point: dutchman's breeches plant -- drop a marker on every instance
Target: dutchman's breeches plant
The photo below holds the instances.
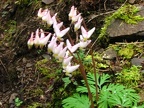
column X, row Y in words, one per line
column 62, row 51
column 65, row 51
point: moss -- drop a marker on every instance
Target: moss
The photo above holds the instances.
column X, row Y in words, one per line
column 48, row 68
column 126, row 53
column 37, row 92
column 35, row 105
column 130, row 76
column 127, row 13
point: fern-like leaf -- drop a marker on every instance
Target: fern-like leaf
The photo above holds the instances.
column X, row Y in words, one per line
column 117, row 95
column 101, row 80
column 76, row 101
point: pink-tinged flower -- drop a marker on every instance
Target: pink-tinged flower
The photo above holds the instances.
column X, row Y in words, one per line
column 70, row 47
column 84, row 44
column 42, row 35
column 75, row 18
column 42, row 13
column 52, row 44
column 86, row 35
column 59, row 33
column 48, row 18
column 51, row 20
column 30, row 42
column 72, row 13
column 44, row 40
column 77, row 25
column 54, row 18
column 36, row 39
column 69, row 69
column 57, row 49
column 59, row 25
column 62, row 53
column 66, row 61
column 45, row 17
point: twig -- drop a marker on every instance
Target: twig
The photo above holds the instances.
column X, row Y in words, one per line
column 101, row 14
column 92, row 46
column 121, row 43
column 105, row 4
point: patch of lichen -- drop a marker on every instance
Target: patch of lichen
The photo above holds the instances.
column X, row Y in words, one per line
column 127, row 13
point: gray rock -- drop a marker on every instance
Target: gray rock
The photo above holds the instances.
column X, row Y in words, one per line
column 47, row 1
column 46, row 56
column 12, row 97
column 109, row 54
column 137, row 61
column 29, row 64
column 119, row 28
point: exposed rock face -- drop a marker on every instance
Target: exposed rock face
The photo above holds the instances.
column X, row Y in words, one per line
column 119, row 28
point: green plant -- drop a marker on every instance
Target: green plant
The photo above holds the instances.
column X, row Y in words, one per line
column 110, row 95
column 129, row 76
column 127, row 53
column 18, row 102
column 76, row 101
column 101, row 80
column 117, row 95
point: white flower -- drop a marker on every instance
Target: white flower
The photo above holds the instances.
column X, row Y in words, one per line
column 72, row 13
column 36, row 39
column 42, row 13
column 62, row 53
column 86, row 35
column 44, row 40
column 77, row 25
column 75, row 18
column 31, row 41
column 57, row 49
column 69, row 69
column 70, row 47
column 66, row 61
column 51, row 20
column 60, row 33
column 84, row 44
column 52, row 44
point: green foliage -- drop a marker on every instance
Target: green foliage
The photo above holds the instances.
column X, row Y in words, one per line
column 35, row 105
column 18, row 102
column 126, row 13
column 117, row 95
column 127, row 53
column 129, row 76
column 110, row 95
column 86, row 60
column 66, row 81
column 101, row 80
column 37, row 92
column 48, row 68
column 76, row 101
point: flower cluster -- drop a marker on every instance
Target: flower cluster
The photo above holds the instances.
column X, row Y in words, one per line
column 54, row 42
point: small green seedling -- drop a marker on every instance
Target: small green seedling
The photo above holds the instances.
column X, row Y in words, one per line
column 18, row 102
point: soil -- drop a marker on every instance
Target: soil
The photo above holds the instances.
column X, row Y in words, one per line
column 20, row 75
